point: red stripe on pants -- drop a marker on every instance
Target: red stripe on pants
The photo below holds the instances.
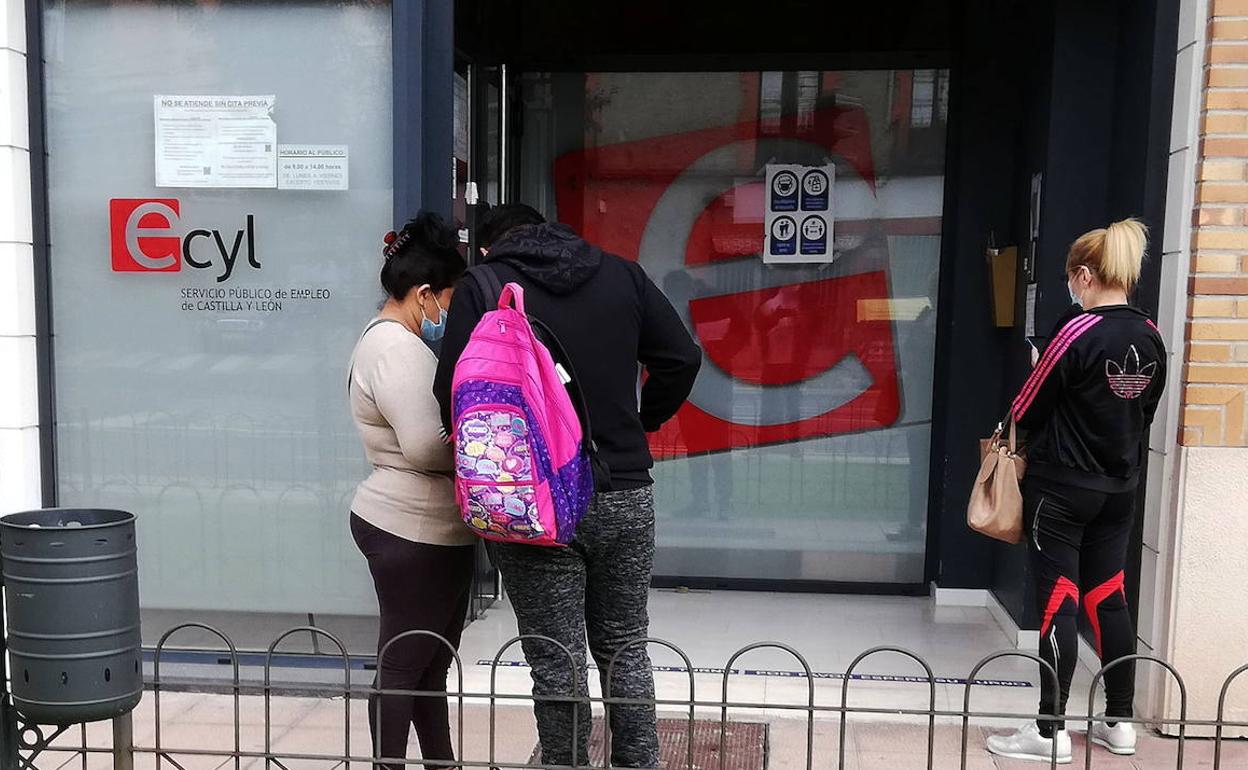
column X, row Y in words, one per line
column 1062, row 590
column 1093, row 602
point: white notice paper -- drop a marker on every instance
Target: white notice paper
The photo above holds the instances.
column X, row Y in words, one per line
column 216, row 141
column 1030, row 325
column 799, row 214
column 312, row 167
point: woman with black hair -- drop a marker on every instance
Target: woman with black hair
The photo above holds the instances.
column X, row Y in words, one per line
column 404, row 517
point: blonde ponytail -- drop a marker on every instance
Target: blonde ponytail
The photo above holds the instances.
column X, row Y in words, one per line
column 1113, row 254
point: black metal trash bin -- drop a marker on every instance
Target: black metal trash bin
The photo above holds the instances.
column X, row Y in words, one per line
column 71, row 581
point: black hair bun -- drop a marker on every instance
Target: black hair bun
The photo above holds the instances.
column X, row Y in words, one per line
column 431, row 232
column 425, row 251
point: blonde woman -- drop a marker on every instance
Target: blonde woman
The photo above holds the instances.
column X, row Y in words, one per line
column 1086, row 408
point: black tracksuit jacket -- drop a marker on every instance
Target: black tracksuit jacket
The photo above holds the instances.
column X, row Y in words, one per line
column 1090, row 400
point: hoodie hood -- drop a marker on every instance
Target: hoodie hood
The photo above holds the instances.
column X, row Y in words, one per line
column 553, row 256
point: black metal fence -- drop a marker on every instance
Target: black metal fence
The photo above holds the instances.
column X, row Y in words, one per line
column 35, row 741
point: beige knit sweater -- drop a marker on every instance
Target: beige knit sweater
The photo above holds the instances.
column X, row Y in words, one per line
column 410, row 492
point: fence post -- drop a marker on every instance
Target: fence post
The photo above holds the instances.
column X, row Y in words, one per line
column 8, row 732
column 123, row 742
column 9, row 758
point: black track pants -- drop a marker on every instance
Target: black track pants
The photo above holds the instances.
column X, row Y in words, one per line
column 1078, row 541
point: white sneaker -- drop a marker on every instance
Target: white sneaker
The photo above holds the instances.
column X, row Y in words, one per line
column 1028, row 743
column 1119, row 739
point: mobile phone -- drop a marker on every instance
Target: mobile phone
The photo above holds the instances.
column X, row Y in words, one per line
column 1036, row 344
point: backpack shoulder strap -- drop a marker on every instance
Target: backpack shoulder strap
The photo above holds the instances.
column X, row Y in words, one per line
column 489, row 284
column 560, row 355
column 491, row 288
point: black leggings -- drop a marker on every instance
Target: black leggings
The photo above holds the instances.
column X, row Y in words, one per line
column 1078, row 541
column 425, row 587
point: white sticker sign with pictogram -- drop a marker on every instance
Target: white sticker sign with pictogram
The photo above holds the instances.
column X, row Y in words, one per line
column 800, row 206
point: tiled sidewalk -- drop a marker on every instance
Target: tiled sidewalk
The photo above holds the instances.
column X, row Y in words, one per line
column 830, row 631
column 314, row 726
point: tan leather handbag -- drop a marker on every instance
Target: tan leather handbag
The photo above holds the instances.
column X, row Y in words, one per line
column 996, row 505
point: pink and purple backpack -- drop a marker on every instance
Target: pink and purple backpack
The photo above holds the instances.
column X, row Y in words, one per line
column 522, row 462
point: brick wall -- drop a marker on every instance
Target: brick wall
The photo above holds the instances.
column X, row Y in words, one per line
column 1215, row 391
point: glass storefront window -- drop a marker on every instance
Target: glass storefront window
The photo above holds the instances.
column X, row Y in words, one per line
column 208, row 395
column 803, row 453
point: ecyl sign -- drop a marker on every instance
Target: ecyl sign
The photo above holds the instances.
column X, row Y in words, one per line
column 147, row 237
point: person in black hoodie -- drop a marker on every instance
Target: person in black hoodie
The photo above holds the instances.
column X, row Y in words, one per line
column 613, row 322
column 1086, row 409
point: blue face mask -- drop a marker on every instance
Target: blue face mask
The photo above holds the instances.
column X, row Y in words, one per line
column 1070, row 287
column 428, row 329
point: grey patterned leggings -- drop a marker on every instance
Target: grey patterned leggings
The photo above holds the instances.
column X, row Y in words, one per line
column 597, row 586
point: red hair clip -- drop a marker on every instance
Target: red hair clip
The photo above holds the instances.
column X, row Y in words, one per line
column 390, row 237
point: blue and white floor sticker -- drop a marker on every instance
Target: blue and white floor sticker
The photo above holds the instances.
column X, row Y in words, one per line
column 779, row 673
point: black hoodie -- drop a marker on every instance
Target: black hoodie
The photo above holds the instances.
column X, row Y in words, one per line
column 610, row 318
column 1089, row 401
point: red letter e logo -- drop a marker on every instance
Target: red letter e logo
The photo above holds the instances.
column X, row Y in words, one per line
column 143, row 238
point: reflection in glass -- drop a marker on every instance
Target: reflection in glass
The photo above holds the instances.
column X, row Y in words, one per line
column 803, row 453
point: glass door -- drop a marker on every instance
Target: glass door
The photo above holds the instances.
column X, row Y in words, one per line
column 478, row 137
column 803, row 452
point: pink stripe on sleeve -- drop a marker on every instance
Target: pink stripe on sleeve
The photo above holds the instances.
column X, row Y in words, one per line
column 1065, row 338
column 1046, row 361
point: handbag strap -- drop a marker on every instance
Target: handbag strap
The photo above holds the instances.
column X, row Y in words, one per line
column 351, row 366
column 1007, row 429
